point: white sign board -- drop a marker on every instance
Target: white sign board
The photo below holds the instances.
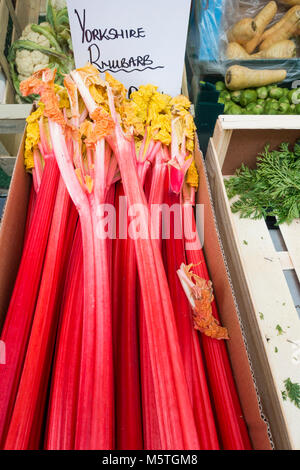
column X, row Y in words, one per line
column 137, row 41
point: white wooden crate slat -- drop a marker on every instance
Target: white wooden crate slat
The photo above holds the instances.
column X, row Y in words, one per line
column 291, row 236
column 259, row 122
column 274, row 306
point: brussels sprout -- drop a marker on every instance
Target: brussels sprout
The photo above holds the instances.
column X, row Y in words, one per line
column 275, row 93
column 224, row 97
column 234, row 109
column 271, row 107
column 220, row 86
column 248, row 96
column 284, row 99
column 262, row 92
column 236, row 96
column 258, row 109
column 284, row 108
column 285, row 91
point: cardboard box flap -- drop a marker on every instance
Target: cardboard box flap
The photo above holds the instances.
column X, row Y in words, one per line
column 12, row 231
column 228, row 310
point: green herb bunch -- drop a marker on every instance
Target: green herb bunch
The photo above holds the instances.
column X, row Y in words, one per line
column 272, row 189
column 292, row 391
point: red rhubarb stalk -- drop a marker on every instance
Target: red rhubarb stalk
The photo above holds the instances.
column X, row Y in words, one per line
column 26, row 421
column 95, row 411
column 152, row 438
column 188, row 337
column 175, row 416
column 18, row 322
column 176, row 422
column 127, row 386
column 61, row 426
column 30, row 211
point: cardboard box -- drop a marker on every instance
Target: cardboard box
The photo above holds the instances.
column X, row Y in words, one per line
column 259, row 270
column 11, row 241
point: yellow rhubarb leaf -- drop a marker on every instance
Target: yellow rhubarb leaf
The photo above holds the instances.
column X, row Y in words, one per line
column 161, row 128
column 192, row 177
column 142, row 99
column 32, row 135
column 99, row 94
column 63, row 96
column 180, row 105
column 131, row 120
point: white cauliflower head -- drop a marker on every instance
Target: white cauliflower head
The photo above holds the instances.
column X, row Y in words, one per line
column 30, row 35
column 28, row 62
column 59, row 4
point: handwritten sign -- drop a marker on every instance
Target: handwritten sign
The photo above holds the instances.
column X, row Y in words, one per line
column 137, row 41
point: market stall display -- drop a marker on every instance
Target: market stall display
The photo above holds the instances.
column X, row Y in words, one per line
column 107, row 132
column 149, row 299
column 219, row 38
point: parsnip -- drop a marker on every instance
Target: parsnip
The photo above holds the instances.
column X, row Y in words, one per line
column 285, row 29
column 236, row 51
column 239, row 78
column 262, row 20
column 243, row 31
column 280, row 50
column 290, row 17
column 290, row 3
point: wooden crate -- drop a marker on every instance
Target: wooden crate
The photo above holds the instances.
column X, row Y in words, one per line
column 24, row 12
column 12, row 116
column 258, row 270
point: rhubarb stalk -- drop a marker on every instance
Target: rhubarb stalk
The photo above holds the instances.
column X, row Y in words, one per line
column 19, row 317
column 26, row 421
column 175, row 416
column 62, row 416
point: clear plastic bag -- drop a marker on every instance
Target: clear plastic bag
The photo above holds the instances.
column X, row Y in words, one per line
column 207, row 40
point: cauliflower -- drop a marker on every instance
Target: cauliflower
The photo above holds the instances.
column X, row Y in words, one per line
column 43, row 45
column 28, row 62
column 59, row 4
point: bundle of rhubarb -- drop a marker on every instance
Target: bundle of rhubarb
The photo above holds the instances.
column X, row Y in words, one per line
column 113, row 339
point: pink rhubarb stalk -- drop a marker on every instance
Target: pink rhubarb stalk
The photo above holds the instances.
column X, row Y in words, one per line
column 62, row 410
column 188, row 337
column 127, row 383
column 175, row 416
column 26, row 421
column 19, row 317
